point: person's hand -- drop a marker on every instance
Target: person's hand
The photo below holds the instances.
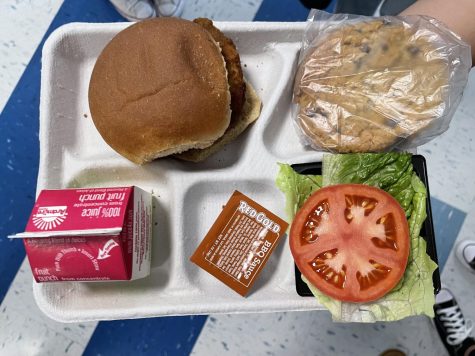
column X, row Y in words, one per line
column 457, row 15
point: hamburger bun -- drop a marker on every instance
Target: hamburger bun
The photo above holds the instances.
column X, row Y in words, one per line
column 248, row 114
column 245, row 103
column 160, row 87
column 237, row 86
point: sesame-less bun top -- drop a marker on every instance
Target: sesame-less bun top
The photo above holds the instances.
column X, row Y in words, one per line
column 160, row 87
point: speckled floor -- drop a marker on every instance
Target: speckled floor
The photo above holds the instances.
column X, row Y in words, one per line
column 24, row 330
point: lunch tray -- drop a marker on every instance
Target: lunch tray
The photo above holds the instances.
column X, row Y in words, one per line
column 187, row 196
column 427, row 231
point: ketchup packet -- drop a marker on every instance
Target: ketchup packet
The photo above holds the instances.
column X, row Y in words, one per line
column 239, row 243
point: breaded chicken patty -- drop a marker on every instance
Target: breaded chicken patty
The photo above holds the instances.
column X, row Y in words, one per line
column 237, row 87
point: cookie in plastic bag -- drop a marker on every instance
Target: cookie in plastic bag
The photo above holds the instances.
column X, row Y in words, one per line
column 377, row 84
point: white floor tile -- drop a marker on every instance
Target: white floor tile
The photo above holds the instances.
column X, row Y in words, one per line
column 233, row 10
column 451, row 156
column 25, row 330
column 312, row 333
column 23, row 24
column 458, row 278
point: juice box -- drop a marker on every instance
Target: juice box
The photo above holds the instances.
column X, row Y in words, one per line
column 89, row 234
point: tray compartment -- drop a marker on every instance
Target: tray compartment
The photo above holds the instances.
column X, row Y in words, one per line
column 202, row 204
column 72, row 153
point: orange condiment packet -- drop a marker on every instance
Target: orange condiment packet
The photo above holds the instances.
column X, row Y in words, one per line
column 239, row 243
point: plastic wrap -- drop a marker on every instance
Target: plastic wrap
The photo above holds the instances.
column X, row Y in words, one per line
column 376, row 84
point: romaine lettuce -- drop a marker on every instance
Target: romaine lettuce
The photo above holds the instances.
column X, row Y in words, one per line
column 392, row 172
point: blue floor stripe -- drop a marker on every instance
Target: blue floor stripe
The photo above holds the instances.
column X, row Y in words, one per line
column 285, row 10
column 157, row 336
column 447, row 224
column 19, row 146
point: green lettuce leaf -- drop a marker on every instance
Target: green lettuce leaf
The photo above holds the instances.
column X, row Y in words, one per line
column 392, row 172
column 296, row 187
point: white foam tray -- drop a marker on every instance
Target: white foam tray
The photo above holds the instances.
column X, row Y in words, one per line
column 188, row 196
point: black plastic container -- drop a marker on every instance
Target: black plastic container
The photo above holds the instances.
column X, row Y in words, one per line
column 427, row 231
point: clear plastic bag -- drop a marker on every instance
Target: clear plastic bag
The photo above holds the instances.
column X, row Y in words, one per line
column 377, row 84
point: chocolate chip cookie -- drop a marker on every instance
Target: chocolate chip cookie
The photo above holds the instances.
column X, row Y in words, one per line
column 368, row 85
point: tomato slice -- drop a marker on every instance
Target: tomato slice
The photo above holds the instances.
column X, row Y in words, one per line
column 351, row 241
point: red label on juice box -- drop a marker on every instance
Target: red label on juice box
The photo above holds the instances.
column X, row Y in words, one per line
column 89, row 234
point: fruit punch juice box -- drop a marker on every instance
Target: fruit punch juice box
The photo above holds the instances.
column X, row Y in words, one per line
column 90, row 234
